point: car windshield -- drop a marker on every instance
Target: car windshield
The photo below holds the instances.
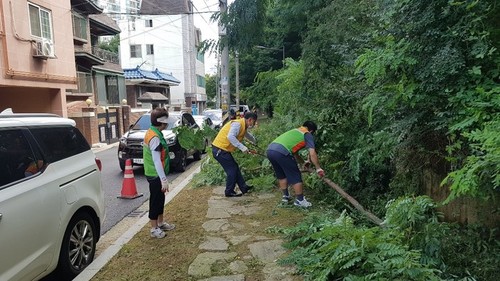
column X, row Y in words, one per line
column 145, row 122
column 215, row 116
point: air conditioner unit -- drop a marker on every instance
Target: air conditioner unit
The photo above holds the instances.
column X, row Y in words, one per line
column 44, row 49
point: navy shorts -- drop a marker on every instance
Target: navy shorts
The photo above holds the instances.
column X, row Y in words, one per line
column 285, row 166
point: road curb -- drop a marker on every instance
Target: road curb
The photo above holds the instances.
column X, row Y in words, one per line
column 133, row 227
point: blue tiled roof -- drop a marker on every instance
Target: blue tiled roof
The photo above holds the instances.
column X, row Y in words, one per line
column 137, row 73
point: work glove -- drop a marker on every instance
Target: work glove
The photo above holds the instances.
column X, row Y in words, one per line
column 244, row 149
column 320, row 172
column 165, row 187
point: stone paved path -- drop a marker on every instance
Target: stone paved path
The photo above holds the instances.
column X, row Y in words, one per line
column 222, row 247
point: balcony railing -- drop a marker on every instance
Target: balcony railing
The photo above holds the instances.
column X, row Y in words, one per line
column 100, row 53
column 106, row 55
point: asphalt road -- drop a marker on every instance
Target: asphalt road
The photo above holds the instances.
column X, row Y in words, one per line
column 112, row 181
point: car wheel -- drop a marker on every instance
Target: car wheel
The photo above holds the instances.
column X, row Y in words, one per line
column 181, row 167
column 122, row 164
column 78, row 246
column 197, row 155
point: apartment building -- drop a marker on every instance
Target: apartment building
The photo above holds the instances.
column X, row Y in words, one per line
column 50, row 62
column 159, row 35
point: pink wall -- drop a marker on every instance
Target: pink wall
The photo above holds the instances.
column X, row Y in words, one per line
column 29, row 100
column 18, row 66
column 43, row 82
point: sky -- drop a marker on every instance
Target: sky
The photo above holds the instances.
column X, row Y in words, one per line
column 209, row 29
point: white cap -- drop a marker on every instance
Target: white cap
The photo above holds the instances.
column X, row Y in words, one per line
column 163, row 119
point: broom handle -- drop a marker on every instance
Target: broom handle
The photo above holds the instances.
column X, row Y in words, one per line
column 353, row 202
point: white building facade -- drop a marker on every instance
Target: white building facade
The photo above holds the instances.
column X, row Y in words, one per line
column 160, row 34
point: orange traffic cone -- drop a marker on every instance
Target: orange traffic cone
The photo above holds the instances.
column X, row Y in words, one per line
column 129, row 190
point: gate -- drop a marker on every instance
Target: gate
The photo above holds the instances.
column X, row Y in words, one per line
column 108, row 126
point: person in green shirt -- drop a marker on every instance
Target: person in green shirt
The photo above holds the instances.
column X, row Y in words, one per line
column 283, row 155
column 156, row 168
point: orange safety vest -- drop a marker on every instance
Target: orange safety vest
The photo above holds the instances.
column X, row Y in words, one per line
column 293, row 140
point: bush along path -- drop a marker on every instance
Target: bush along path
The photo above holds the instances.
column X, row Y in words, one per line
column 236, row 245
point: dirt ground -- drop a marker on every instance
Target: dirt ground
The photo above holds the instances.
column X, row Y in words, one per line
column 145, row 258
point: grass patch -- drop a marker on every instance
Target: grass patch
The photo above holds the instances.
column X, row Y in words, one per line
column 145, row 258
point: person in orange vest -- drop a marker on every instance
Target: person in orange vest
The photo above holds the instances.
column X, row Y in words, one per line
column 283, row 155
column 156, row 168
column 227, row 141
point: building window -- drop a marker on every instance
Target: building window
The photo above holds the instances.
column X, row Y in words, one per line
column 200, row 57
column 200, row 81
column 79, row 27
column 40, row 22
column 149, row 23
column 131, row 24
column 112, row 89
column 150, row 49
column 135, row 51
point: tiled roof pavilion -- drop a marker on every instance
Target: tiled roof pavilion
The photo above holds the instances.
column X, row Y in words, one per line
column 154, row 76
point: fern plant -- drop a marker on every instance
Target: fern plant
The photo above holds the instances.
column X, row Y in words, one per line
column 330, row 249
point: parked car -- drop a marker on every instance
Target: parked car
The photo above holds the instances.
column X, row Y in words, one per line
column 242, row 109
column 204, row 121
column 51, row 200
column 130, row 146
column 216, row 115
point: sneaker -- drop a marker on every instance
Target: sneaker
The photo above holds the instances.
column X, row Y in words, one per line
column 234, row 194
column 285, row 199
column 157, row 233
column 304, row 203
column 246, row 189
column 166, row 226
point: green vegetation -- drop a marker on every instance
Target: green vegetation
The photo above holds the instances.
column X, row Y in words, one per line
column 399, row 89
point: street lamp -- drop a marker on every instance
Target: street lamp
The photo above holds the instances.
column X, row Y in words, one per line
column 274, row 49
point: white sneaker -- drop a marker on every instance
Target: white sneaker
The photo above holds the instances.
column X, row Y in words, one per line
column 285, row 199
column 166, row 226
column 304, row 203
column 157, row 233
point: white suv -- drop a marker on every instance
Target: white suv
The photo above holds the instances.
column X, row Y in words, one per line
column 51, row 201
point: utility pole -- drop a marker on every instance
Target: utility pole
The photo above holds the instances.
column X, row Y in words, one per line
column 224, row 78
column 217, row 83
column 237, row 61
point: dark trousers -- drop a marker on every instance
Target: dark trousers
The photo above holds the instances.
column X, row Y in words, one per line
column 156, row 198
column 233, row 173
